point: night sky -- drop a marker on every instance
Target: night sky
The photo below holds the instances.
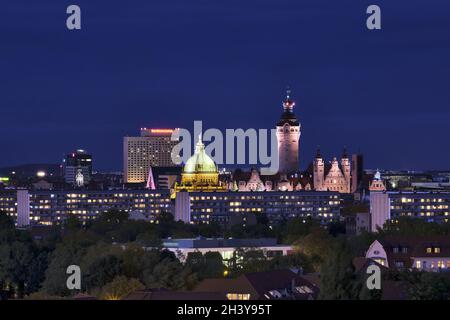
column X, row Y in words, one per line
column 166, row 63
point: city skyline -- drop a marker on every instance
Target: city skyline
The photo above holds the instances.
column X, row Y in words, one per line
column 218, row 63
column 208, row 153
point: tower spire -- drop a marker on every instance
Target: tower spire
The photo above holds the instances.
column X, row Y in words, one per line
column 345, row 154
column 318, row 154
column 288, row 104
column 199, row 146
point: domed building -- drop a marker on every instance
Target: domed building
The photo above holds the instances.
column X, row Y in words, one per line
column 200, row 173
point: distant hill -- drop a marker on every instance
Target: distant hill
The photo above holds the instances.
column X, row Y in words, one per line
column 30, row 170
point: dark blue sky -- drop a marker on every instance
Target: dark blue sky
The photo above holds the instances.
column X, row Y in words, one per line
column 166, row 63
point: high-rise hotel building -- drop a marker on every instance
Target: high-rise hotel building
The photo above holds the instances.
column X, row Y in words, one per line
column 152, row 148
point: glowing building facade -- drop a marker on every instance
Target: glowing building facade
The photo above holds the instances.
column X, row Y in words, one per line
column 200, row 173
column 48, row 207
column 390, row 205
column 152, row 149
column 204, row 207
column 78, row 168
column 336, row 177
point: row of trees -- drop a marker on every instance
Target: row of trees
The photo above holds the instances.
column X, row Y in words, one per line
column 28, row 266
column 115, row 226
column 22, row 262
column 117, row 256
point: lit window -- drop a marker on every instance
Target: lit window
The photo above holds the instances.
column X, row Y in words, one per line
column 236, row 296
column 379, row 261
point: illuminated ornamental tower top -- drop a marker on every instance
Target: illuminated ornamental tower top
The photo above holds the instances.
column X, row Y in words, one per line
column 377, row 183
column 288, row 137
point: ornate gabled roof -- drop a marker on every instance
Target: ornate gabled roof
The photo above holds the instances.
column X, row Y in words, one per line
column 304, row 178
column 335, row 171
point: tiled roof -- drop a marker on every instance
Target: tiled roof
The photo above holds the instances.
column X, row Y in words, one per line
column 260, row 284
column 158, row 294
column 404, row 248
column 264, row 282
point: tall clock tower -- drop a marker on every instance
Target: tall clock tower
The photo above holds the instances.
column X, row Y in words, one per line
column 288, row 138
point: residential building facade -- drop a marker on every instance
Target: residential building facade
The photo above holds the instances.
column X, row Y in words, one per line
column 429, row 206
column 48, row 207
column 431, row 253
column 276, row 205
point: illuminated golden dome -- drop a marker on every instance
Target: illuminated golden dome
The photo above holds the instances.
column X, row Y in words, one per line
column 200, row 162
column 200, row 173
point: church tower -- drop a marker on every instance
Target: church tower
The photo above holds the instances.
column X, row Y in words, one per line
column 288, row 138
column 345, row 165
column 319, row 172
